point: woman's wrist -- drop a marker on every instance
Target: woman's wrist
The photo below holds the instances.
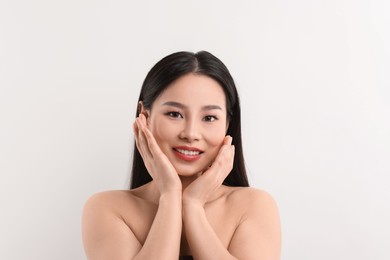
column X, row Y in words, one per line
column 192, row 206
column 171, row 196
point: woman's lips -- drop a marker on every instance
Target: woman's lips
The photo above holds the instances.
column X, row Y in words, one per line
column 187, row 153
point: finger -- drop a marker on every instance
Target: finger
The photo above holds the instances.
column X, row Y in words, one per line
column 143, row 120
column 135, row 133
column 138, row 136
column 142, row 142
column 224, row 161
column 153, row 146
column 147, row 135
column 227, row 140
column 230, row 151
column 136, row 129
column 231, row 159
column 217, row 159
column 225, row 144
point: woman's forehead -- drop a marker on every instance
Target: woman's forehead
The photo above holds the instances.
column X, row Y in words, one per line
column 194, row 90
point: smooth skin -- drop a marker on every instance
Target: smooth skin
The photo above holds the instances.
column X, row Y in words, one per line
column 185, row 210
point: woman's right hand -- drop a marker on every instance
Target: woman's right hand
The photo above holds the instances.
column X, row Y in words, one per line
column 156, row 162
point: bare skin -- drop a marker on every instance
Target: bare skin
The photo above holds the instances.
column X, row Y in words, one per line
column 185, row 210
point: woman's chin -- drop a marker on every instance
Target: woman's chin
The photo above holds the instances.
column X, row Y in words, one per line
column 194, row 170
column 188, row 173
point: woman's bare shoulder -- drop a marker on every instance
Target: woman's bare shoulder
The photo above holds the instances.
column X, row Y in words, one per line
column 110, row 196
column 103, row 224
column 249, row 198
column 259, row 225
column 112, row 200
column 248, row 193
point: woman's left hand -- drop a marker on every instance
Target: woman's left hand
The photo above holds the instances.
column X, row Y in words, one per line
column 212, row 178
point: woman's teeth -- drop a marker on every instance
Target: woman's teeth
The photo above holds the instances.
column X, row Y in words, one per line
column 186, row 152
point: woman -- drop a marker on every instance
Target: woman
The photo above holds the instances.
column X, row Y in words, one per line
column 189, row 196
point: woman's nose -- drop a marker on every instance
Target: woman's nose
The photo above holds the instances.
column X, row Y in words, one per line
column 190, row 131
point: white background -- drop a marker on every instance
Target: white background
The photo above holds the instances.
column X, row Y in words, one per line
column 315, row 89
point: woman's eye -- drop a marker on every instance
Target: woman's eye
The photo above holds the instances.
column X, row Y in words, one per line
column 210, row 118
column 174, row 114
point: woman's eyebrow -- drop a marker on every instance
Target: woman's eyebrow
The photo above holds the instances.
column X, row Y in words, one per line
column 211, row 107
column 174, row 104
column 182, row 106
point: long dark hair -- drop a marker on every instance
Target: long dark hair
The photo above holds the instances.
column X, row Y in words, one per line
column 173, row 67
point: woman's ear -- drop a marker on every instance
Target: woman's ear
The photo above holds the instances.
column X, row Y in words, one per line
column 142, row 110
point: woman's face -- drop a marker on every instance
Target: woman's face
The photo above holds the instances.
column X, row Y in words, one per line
column 188, row 121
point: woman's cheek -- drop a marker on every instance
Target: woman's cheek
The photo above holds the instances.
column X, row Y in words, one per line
column 215, row 141
column 161, row 134
column 216, row 136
